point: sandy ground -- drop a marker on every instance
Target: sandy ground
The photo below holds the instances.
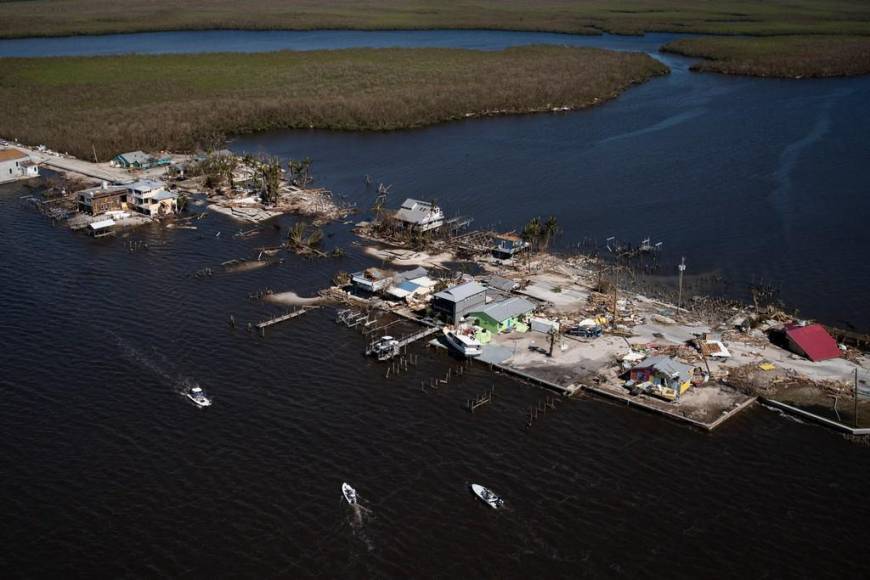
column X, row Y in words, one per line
column 399, row 257
column 245, row 214
column 292, row 299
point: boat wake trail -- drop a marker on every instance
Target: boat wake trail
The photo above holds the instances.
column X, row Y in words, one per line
column 158, row 363
column 359, row 516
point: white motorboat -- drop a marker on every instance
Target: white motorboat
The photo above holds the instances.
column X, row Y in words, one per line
column 349, row 493
column 386, row 347
column 463, row 341
column 198, row 396
column 487, row 496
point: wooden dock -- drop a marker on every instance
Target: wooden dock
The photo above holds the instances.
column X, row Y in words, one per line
column 403, row 342
column 285, row 317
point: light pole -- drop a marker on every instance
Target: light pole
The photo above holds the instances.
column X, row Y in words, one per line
column 682, row 268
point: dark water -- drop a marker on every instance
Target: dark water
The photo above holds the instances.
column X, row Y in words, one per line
column 107, row 471
column 262, row 41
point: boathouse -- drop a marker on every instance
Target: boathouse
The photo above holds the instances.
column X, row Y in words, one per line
column 15, row 164
column 454, row 303
column 420, row 216
column 505, row 315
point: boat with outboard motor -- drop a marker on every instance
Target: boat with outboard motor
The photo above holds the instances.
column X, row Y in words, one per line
column 487, row 496
column 349, row 493
column 198, row 396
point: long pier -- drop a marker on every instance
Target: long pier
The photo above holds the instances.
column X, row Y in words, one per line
column 285, row 317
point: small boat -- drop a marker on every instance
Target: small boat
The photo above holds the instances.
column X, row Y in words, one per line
column 463, row 341
column 486, row 496
column 198, row 396
column 349, row 493
column 385, row 348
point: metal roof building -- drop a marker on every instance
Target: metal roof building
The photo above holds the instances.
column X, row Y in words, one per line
column 420, row 215
column 507, row 309
column 813, row 341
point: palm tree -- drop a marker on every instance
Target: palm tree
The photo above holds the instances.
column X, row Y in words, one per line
column 550, row 229
column 532, row 231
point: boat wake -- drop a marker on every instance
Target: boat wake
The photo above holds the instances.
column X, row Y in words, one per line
column 157, row 363
column 360, row 515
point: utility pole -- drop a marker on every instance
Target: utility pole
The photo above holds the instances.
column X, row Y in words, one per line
column 681, row 268
column 615, row 293
column 856, row 398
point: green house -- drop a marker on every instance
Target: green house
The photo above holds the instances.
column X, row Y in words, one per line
column 501, row 316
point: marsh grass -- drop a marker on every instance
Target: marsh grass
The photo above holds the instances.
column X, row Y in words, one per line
column 179, row 102
column 781, row 56
column 67, row 17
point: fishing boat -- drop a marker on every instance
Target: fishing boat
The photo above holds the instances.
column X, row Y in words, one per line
column 198, row 396
column 463, row 341
column 487, row 496
column 385, row 348
column 349, row 493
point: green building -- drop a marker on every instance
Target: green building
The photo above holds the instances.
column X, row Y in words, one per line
column 501, row 316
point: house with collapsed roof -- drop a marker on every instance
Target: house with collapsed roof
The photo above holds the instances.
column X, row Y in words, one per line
column 662, row 376
column 411, row 285
column 419, row 216
column 150, row 197
column 812, row 341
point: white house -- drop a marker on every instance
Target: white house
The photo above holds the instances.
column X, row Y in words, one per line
column 151, row 198
column 15, row 164
column 420, row 215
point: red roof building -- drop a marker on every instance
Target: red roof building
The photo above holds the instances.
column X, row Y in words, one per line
column 813, row 341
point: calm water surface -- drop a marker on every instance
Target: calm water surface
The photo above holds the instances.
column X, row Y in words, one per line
column 107, row 471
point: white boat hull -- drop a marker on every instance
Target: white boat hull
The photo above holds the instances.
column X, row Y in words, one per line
column 349, row 494
column 471, row 348
column 487, row 496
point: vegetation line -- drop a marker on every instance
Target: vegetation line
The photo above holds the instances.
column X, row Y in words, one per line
column 20, row 18
column 785, row 56
column 106, row 105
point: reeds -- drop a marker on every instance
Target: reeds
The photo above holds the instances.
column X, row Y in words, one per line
column 778, row 56
column 121, row 103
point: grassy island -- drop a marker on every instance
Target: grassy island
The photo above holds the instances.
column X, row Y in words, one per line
column 123, row 103
column 780, row 56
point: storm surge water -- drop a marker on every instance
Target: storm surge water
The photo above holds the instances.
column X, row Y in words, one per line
column 107, row 472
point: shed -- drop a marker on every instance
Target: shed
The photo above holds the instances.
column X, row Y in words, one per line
column 812, row 341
